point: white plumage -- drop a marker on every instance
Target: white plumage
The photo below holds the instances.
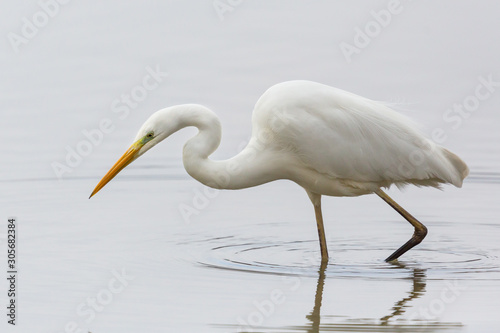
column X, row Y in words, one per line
column 357, row 144
column 329, row 141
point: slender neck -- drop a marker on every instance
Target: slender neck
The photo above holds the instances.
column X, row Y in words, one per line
column 246, row 169
column 198, row 148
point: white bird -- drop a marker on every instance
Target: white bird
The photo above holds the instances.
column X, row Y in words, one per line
column 329, row 141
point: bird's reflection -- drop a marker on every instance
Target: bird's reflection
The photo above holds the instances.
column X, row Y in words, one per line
column 418, row 290
column 418, row 277
column 314, row 317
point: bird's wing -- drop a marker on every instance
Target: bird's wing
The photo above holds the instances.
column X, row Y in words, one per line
column 350, row 137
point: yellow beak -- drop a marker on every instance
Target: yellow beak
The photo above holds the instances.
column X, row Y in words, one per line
column 126, row 159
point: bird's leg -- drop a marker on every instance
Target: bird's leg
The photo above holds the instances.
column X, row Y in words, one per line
column 316, row 201
column 321, row 233
column 420, row 229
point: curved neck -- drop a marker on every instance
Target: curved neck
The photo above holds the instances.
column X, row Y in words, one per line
column 197, row 149
column 248, row 168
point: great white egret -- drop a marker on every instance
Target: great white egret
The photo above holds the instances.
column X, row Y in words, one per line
column 329, row 141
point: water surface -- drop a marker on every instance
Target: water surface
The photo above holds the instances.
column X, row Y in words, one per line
column 245, row 260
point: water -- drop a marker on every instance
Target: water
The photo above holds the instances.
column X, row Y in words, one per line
column 134, row 259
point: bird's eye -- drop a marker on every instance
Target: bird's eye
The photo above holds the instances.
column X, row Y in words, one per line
column 150, row 135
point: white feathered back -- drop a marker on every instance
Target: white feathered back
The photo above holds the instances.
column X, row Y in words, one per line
column 346, row 136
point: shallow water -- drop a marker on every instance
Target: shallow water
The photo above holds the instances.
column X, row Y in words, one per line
column 242, row 260
column 261, row 272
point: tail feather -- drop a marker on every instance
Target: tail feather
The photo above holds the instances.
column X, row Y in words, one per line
column 461, row 169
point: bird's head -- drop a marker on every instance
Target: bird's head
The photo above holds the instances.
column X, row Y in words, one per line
column 154, row 130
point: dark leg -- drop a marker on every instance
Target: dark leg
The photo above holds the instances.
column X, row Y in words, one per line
column 316, row 201
column 321, row 232
column 420, row 229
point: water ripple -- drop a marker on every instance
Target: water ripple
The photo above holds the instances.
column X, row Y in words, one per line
column 349, row 259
